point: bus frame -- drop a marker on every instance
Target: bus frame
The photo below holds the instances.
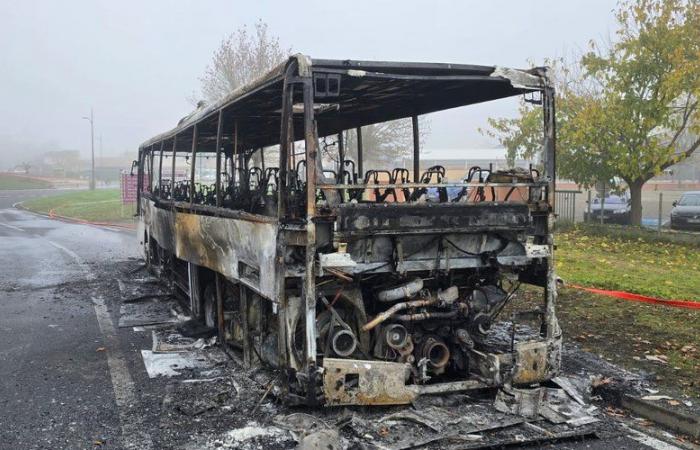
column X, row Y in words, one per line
column 306, row 270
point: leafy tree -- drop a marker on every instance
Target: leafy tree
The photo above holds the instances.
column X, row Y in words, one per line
column 631, row 110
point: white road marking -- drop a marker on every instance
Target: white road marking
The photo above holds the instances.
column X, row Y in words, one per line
column 124, row 392
column 133, row 437
column 650, row 441
column 88, row 273
column 12, row 227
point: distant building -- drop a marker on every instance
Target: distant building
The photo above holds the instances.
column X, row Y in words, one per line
column 58, row 164
column 457, row 168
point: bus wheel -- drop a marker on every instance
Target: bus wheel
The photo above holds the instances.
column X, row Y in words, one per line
column 210, row 306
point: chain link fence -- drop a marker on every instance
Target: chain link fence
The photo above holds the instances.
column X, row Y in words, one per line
column 658, row 200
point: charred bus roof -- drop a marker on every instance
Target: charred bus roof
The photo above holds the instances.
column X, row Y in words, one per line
column 350, row 94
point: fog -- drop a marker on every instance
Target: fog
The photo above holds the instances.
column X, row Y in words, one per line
column 136, row 63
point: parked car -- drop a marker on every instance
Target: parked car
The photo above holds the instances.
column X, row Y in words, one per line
column 685, row 214
column 615, row 209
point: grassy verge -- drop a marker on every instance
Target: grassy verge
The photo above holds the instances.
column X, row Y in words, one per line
column 643, row 266
column 101, row 205
column 13, row 182
column 656, row 339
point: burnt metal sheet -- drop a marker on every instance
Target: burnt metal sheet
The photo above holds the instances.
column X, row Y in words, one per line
column 365, row 382
column 158, row 223
column 359, row 382
column 537, row 361
column 239, row 249
column 395, row 219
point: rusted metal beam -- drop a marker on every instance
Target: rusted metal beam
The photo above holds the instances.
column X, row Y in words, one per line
column 151, row 155
column 219, row 132
column 172, row 172
column 245, row 326
column 360, row 166
column 220, row 326
column 341, row 157
column 421, row 185
column 309, row 288
column 193, row 161
column 416, row 149
column 286, row 149
column 160, row 167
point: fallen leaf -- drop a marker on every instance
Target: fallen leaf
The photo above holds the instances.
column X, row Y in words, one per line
column 673, row 402
column 100, row 349
column 657, row 358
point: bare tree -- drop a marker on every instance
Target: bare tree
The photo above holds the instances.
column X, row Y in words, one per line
column 384, row 145
column 242, row 57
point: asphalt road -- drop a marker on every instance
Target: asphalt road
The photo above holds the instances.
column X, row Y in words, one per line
column 69, row 378
column 55, row 386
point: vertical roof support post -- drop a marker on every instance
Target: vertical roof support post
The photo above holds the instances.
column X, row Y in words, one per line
column 550, row 133
column 341, row 157
column 234, row 154
column 220, row 326
column 310, row 275
column 193, row 162
column 360, row 168
column 416, row 149
column 286, row 146
column 160, row 168
column 150, row 168
column 286, row 123
column 550, row 324
column 172, row 172
column 219, row 132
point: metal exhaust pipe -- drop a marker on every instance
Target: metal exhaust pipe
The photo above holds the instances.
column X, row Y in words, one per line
column 343, row 343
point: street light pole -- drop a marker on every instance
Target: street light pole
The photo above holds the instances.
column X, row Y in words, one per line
column 92, row 150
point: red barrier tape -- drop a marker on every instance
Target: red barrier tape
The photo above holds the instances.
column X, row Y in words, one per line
column 640, row 298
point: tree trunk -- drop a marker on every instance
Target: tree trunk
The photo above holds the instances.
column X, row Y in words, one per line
column 636, row 198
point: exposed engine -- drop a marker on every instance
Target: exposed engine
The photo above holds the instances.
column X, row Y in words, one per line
column 413, row 322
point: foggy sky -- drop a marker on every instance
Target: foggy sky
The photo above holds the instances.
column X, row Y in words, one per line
column 137, row 62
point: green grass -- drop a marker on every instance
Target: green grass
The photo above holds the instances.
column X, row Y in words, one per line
column 101, row 205
column 12, row 182
column 659, row 269
column 627, row 332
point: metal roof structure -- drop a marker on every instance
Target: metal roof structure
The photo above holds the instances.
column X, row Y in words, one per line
column 368, row 92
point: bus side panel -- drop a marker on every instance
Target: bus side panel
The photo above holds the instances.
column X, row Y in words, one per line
column 240, row 250
column 158, row 224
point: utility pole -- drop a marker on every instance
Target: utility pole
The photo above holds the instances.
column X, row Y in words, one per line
column 92, row 149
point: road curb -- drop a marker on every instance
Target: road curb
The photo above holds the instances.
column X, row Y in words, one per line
column 674, row 420
column 21, row 207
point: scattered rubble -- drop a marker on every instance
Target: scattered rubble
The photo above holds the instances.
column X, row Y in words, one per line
column 233, row 407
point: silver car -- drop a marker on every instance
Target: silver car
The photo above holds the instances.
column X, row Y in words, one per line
column 685, row 214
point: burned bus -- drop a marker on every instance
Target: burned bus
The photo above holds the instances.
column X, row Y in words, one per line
column 359, row 285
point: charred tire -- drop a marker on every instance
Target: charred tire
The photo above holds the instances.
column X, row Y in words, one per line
column 209, row 306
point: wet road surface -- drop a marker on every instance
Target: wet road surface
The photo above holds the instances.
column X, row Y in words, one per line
column 69, row 378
